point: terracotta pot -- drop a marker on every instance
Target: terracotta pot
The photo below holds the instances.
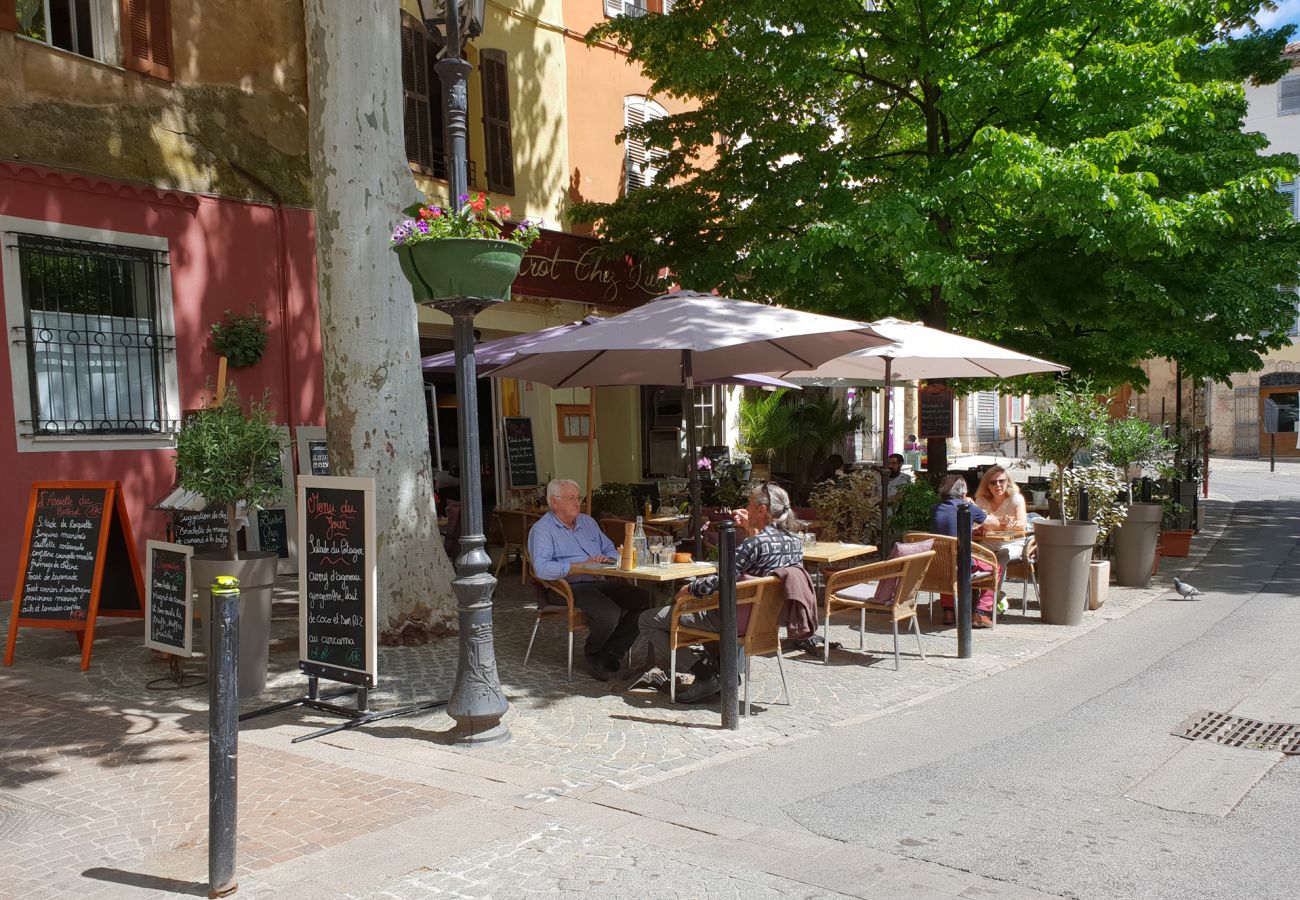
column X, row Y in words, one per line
column 1176, row 542
column 1135, row 544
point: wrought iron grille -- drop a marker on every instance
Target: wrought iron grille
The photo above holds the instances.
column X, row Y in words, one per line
column 1245, row 421
column 92, row 337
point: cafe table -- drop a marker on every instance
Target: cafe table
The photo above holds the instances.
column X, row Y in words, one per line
column 670, row 572
column 834, row 551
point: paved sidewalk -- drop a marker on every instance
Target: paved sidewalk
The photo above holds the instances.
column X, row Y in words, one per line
column 103, row 783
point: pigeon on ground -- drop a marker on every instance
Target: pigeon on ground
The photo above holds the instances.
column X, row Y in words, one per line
column 1185, row 590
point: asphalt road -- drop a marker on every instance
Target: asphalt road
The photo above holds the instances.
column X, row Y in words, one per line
column 1023, row 777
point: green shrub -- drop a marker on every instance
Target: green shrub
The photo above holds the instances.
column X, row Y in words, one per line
column 241, row 339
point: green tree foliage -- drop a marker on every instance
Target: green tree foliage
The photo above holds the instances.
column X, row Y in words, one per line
column 1066, row 177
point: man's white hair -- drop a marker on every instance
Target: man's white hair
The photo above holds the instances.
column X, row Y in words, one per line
column 556, row 485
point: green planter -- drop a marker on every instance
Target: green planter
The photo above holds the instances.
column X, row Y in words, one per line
column 451, row 268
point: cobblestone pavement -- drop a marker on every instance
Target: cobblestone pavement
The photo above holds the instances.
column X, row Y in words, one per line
column 103, row 782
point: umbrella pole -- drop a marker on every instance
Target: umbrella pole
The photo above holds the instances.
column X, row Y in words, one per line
column 591, row 441
column 692, row 471
column 884, row 460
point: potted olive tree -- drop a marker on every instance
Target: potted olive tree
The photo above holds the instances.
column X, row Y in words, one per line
column 1106, row 510
column 1068, row 423
column 1128, row 443
column 231, row 456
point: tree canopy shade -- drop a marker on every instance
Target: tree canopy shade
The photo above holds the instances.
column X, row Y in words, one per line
column 1065, row 177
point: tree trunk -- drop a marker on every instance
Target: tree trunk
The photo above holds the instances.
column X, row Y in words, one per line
column 374, row 396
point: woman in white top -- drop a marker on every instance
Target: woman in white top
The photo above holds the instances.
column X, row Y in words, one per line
column 1000, row 499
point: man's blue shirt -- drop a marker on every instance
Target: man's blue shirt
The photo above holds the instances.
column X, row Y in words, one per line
column 943, row 518
column 553, row 547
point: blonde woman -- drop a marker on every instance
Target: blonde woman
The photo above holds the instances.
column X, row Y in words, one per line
column 999, row 497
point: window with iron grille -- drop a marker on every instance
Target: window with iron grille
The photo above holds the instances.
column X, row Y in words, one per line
column 93, row 337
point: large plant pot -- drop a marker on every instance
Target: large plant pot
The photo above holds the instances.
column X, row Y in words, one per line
column 451, row 268
column 1135, row 544
column 256, row 574
column 1064, row 554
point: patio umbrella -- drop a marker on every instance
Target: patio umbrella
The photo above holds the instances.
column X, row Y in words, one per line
column 919, row 352
column 489, row 355
column 684, row 338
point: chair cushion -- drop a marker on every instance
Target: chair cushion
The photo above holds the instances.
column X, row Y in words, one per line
column 885, row 590
column 865, row 592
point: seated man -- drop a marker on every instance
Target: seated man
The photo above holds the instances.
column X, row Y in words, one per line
column 897, row 477
column 943, row 520
column 564, row 537
column 771, row 545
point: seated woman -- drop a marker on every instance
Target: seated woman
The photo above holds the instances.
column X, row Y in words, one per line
column 1000, row 498
column 943, row 520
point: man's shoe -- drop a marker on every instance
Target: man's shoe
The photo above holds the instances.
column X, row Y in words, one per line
column 596, row 669
column 949, row 617
column 701, row 689
column 612, row 664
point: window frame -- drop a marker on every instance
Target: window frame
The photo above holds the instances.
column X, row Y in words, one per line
column 168, row 386
column 1293, row 80
column 106, row 38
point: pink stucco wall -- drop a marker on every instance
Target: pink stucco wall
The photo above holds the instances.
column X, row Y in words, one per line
column 224, row 254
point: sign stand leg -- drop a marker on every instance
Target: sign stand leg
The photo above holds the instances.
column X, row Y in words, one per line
column 358, row 716
column 176, row 678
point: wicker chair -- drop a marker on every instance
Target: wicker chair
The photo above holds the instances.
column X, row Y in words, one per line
column 759, row 635
column 941, row 577
column 515, row 524
column 856, row 588
column 560, row 590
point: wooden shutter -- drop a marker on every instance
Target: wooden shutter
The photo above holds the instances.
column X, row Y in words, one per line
column 1288, row 95
column 633, row 147
column 415, row 91
column 498, row 146
column 147, row 37
column 613, row 8
column 8, row 15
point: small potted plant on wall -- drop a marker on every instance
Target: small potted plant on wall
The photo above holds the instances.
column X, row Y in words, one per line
column 241, row 339
column 1069, row 423
column 466, row 250
column 1131, row 443
column 231, row 456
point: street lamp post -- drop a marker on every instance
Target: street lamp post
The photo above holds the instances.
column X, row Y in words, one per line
column 477, row 702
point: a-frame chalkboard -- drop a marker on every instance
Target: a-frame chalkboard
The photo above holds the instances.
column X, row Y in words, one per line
column 78, row 562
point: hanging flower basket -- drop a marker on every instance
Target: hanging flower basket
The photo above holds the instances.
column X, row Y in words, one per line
column 465, row 251
column 451, row 268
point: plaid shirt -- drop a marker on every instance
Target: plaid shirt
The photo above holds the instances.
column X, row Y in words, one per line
column 761, row 554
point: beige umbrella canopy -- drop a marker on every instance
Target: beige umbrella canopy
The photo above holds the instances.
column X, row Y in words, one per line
column 918, row 352
column 684, row 337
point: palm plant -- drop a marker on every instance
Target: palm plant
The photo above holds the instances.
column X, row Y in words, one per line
column 767, row 423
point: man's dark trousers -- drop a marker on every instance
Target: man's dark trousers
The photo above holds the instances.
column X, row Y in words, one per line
column 612, row 610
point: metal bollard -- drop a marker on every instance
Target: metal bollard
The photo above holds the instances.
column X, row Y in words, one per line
column 223, row 736
column 727, row 627
column 963, row 581
column 1083, row 504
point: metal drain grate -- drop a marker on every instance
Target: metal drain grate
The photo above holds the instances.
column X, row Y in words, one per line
column 1235, row 731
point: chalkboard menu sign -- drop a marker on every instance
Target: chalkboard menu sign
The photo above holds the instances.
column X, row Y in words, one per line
column 337, row 584
column 78, row 561
column 318, row 453
column 935, row 411
column 273, row 531
column 521, row 457
column 313, row 450
column 169, row 612
column 203, row 530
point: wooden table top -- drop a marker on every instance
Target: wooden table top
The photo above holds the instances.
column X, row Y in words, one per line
column 834, row 551
column 667, row 520
column 1000, row 536
column 670, row 572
